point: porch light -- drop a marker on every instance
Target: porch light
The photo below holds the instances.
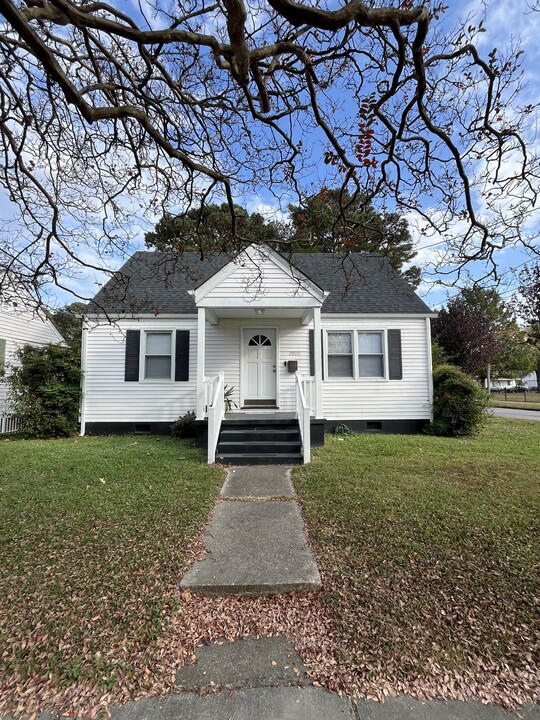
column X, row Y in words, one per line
column 259, row 311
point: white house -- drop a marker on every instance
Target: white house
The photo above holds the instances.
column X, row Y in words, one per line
column 20, row 324
column 300, row 344
column 501, row 383
column 530, row 380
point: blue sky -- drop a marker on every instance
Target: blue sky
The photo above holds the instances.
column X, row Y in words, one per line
column 505, row 21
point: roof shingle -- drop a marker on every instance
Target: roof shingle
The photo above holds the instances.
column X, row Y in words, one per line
column 154, row 282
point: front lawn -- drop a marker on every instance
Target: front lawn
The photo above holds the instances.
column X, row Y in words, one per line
column 429, row 552
column 93, row 540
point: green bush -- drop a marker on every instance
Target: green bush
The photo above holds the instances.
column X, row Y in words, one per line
column 184, row 427
column 459, row 403
column 45, row 389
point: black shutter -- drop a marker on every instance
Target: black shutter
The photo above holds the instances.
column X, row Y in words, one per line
column 395, row 367
column 133, row 345
column 312, row 354
column 2, row 353
column 322, row 354
column 181, row 366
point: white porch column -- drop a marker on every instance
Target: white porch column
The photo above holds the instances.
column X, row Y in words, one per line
column 317, row 351
column 201, row 343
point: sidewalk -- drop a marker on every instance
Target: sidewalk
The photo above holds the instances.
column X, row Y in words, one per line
column 255, row 539
column 265, row 679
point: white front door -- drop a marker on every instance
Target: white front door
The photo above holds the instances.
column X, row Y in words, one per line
column 259, row 347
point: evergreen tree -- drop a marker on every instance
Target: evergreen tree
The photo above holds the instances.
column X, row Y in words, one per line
column 333, row 221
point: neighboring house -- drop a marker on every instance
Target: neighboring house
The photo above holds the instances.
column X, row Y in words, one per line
column 529, row 380
column 501, row 383
column 301, row 343
column 20, row 324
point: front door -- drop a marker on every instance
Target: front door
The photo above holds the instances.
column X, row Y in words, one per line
column 259, row 347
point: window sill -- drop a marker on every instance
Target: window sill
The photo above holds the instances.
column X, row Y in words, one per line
column 356, row 380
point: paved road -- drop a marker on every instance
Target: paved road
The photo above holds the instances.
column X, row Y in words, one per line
column 516, row 414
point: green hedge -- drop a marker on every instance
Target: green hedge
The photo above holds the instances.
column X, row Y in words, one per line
column 459, row 403
column 45, row 388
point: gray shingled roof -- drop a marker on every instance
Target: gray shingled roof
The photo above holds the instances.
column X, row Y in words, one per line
column 154, row 282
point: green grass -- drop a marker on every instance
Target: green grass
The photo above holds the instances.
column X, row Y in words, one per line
column 429, row 547
column 93, row 538
column 516, row 400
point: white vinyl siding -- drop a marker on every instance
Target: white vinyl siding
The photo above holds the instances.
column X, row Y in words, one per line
column 21, row 326
column 108, row 398
column 255, row 280
column 377, row 398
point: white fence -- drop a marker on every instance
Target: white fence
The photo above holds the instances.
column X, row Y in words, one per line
column 9, row 423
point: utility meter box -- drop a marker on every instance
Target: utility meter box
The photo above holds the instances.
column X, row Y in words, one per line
column 292, row 366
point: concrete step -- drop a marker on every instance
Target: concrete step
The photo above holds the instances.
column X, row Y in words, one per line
column 244, row 424
column 259, row 441
column 259, row 459
column 263, row 447
column 260, row 434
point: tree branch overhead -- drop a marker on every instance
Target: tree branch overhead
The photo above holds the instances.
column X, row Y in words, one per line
column 107, row 117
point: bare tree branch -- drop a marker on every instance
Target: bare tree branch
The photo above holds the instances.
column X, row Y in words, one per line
column 109, row 119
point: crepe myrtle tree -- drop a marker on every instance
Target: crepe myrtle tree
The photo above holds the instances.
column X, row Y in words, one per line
column 113, row 115
column 467, row 335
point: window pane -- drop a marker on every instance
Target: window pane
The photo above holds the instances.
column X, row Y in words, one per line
column 339, row 343
column 370, row 366
column 340, row 366
column 370, row 342
column 158, row 343
column 158, row 367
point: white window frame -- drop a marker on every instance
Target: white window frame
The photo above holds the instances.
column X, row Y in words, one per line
column 142, row 364
column 355, row 347
column 351, row 355
column 382, row 333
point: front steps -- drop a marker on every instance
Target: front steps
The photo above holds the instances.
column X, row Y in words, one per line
column 259, row 441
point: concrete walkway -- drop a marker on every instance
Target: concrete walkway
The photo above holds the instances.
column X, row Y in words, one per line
column 255, row 540
column 264, row 679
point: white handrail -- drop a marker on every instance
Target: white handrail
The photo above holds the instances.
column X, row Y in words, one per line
column 308, row 383
column 303, row 414
column 216, row 413
column 209, row 388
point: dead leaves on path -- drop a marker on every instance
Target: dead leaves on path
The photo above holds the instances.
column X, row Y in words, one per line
column 357, row 666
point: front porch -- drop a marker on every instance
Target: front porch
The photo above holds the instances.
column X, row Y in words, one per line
column 259, row 351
